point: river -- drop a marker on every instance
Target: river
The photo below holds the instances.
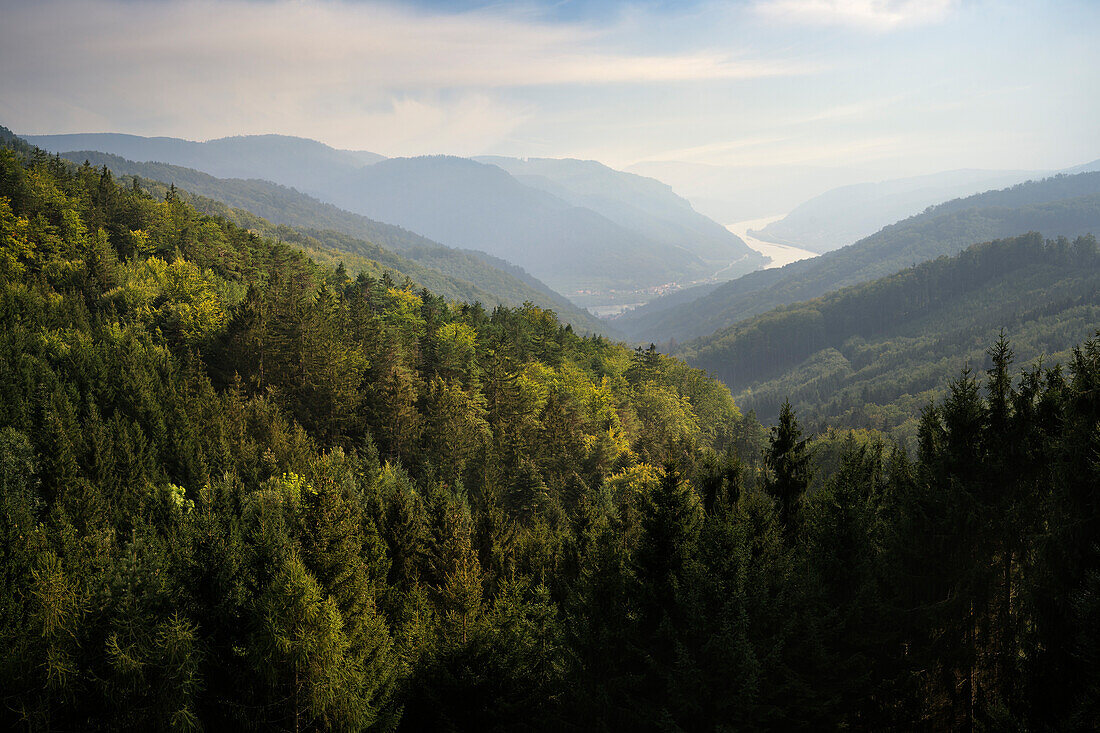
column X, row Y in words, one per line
column 781, row 254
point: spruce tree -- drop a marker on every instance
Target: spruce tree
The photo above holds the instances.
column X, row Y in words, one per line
column 787, row 461
column 333, row 550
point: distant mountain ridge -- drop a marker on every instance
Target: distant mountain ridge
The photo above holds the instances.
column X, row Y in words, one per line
column 636, row 202
column 300, row 163
column 1059, row 206
column 1090, row 167
column 472, row 205
column 847, row 214
column 734, row 193
column 449, row 272
column 466, row 204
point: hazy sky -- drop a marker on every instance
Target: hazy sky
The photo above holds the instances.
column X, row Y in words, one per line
column 906, row 86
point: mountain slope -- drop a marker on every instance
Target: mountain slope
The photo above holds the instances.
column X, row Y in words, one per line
column 472, row 205
column 455, row 201
column 198, row 525
column 241, row 490
column 874, row 354
column 635, row 202
column 446, row 271
column 847, row 214
column 1060, row 206
column 1090, row 167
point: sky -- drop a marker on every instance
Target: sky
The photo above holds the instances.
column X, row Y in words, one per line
column 902, row 87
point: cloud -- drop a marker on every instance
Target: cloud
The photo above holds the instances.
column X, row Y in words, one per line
column 354, row 74
column 874, row 15
column 719, row 150
column 466, row 125
column 853, row 110
column 780, row 151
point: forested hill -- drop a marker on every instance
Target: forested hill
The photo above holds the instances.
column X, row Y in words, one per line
column 1055, row 188
column 847, row 214
column 463, row 203
column 446, row 271
column 241, row 491
column 876, row 354
column 636, row 202
column 197, row 525
column 1060, row 206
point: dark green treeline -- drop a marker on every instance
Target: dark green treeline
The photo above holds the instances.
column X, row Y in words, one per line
column 239, row 490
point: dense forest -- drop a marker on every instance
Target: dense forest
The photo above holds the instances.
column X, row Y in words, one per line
column 243, row 490
column 874, row 355
column 283, row 213
column 1062, row 206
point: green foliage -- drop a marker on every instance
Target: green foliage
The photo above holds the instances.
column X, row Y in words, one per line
column 330, row 235
column 239, row 490
column 1063, row 206
column 787, row 463
column 199, row 528
column 874, row 354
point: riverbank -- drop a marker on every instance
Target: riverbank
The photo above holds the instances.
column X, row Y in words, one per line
column 780, row 254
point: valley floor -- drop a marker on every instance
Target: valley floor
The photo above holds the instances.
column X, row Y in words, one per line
column 610, row 304
column 780, row 254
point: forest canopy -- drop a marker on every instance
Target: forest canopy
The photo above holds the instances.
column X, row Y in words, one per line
column 244, row 490
column 874, row 355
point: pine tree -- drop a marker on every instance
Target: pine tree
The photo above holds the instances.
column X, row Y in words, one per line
column 670, row 526
column 333, row 550
column 842, row 529
column 456, row 562
column 787, row 460
column 300, row 649
column 404, row 530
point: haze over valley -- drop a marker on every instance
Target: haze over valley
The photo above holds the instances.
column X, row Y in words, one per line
column 610, row 365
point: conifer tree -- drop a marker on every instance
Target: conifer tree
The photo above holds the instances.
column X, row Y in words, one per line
column 460, row 589
column 300, row 648
column 843, row 531
column 333, row 550
column 787, row 460
column 670, row 525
